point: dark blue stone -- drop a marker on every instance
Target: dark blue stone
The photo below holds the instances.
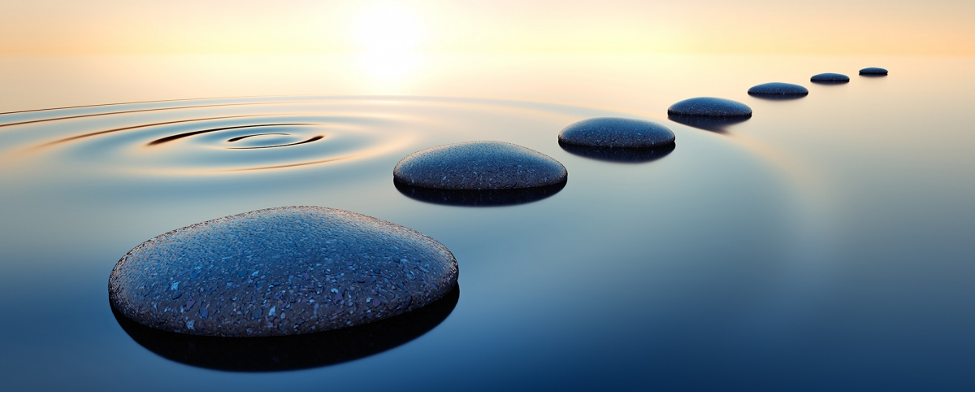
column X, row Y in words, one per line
column 348, row 257
column 873, row 71
column 614, row 132
column 709, row 107
column 830, row 77
column 778, row 89
column 479, row 166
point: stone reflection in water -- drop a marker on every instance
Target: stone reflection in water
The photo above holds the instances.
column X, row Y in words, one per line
column 714, row 124
column 291, row 352
column 622, row 155
column 479, row 198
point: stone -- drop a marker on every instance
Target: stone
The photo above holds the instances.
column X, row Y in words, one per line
column 615, row 132
column 829, row 77
column 778, row 90
column 280, row 271
column 873, row 71
column 479, row 166
column 709, row 107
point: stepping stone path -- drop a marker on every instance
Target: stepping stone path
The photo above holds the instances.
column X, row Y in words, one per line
column 777, row 90
column 873, row 71
column 280, row 271
column 614, row 132
column 479, row 166
column 830, row 77
column 709, row 107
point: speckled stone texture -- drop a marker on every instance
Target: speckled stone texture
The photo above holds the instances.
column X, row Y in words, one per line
column 873, row 71
column 280, row 271
column 830, row 77
column 709, row 107
column 616, row 132
column 778, row 89
column 479, row 166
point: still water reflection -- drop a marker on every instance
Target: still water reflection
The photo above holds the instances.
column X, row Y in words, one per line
column 825, row 244
column 632, row 155
column 291, row 352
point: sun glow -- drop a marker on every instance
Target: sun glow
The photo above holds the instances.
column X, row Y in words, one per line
column 387, row 28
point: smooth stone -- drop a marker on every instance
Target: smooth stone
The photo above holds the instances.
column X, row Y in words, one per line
column 830, row 77
column 774, row 89
column 479, row 166
column 873, row 71
column 709, row 107
column 616, row 132
column 280, row 271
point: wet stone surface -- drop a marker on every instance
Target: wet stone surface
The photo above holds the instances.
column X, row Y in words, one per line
column 615, row 132
column 830, row 77
column 873, row 71
column 778, row 89
column 280, row 271
column 479, row 166
column 709, row 107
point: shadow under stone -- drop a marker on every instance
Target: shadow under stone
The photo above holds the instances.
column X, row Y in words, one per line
column 479, row 198
column 708, row 123
column 777, row 97
column 291, row 352
column 829, row 82
column 619, row 154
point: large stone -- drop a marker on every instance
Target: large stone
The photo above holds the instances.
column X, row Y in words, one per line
column 280, row 271
column 874, row 71
column 709, row 107
column 479, row 166
column 778, row 90
column 615, row 132
column 829, row 78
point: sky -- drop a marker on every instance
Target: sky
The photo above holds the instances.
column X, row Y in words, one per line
column 933, row 27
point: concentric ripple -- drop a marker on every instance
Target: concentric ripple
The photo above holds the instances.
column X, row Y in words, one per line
column 213, row 135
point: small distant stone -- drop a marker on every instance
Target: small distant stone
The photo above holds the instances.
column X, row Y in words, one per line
column 830, row 77
column 318, row 264
column 709, row 107
column 778, row 89
column 479, row 166
column 873, row 71
column 614, row 132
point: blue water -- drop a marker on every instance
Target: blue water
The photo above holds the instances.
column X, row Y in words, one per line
column 824, row 244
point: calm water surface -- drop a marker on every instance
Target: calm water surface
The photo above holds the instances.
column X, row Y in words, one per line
column 824, row 244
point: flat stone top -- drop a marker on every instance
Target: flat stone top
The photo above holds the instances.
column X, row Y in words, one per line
column 280, row 271
column 873, row 71
column 711, row 107
column 778, row 88
column 479, row 166
column 616, row 132
column 829, row 77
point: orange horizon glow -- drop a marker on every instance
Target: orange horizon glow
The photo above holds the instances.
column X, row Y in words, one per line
column 942, row 27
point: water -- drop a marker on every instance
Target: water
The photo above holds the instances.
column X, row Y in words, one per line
column 823, row 244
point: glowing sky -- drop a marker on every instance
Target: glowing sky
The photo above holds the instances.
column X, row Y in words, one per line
column 218, row 26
